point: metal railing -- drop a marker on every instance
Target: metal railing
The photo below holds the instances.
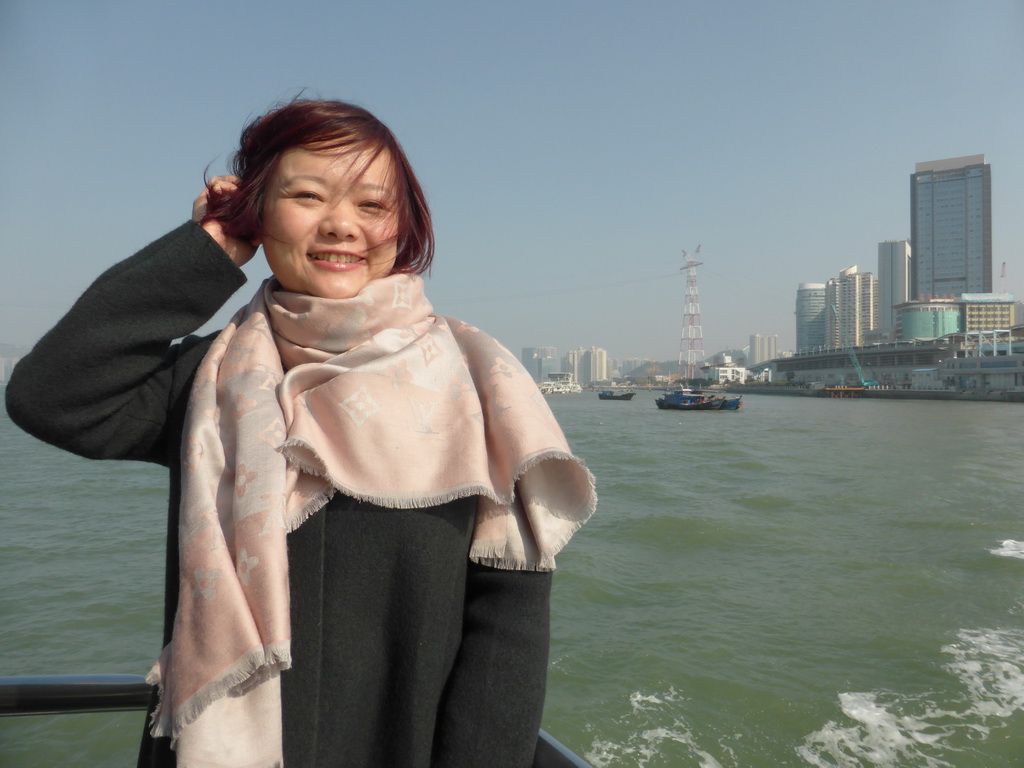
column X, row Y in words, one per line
column 69, row 694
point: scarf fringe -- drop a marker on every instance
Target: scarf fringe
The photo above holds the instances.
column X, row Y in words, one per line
column 425, row 501
column 256, row 666
column 310, row 508
column 492, row 558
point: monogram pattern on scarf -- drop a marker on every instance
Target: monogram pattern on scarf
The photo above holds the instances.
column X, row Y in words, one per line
column 375, row 397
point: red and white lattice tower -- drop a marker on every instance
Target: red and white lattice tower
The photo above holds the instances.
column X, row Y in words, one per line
column 691, row 340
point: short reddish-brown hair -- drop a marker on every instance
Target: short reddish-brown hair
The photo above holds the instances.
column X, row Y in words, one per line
column 322, row 125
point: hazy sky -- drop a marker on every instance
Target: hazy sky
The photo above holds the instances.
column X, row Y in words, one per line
column 570, row 150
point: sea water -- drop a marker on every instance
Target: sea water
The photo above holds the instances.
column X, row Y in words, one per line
column 805, row 582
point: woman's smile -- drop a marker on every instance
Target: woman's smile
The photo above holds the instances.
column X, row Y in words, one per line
column 336, row 258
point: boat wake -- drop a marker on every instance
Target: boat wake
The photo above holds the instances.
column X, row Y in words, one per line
column 890, row 729
column 960, row 726
column 654, row 728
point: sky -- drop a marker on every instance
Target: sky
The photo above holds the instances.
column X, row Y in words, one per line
column 571, row 151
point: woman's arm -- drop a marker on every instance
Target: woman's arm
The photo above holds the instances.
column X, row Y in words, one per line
column 103, row 381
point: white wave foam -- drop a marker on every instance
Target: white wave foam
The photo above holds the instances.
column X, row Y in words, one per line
column 1010, row 548
column 880, row 736
column 644, row 701
column 991, row 665
column 888, row 729
column 652, row 725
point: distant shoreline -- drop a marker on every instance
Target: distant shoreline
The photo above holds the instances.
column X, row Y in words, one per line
column 994, row 396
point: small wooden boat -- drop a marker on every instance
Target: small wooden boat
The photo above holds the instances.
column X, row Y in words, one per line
column 611, row 394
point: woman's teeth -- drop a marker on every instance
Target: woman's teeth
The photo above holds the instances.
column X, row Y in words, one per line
column 334, row 258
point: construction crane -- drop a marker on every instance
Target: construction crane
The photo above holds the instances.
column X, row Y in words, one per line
column 848, row 346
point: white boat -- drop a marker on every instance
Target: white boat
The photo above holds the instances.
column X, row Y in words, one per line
column 560, row 384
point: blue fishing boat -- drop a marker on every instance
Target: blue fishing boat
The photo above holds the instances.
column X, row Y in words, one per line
column 686, row 400
column 729, row 403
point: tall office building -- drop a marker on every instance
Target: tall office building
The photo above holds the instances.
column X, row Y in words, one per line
column 810, row 316
column 855, row 296
column 573, row 361
column 762, row 347
column 951, row 227
column 893, row 280
column 540, row 361
column 528, row 357
column 593, row 366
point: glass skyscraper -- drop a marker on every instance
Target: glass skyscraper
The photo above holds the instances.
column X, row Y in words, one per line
column 951, row 227
column 810, row 316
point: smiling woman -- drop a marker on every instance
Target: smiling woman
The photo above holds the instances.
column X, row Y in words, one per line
column 329, row 225
column 349, row 134
column 366, row 498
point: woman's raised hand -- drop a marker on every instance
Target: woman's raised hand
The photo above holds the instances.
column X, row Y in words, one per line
column 239, row 251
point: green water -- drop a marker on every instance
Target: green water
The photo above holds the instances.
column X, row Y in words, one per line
column 803, row 583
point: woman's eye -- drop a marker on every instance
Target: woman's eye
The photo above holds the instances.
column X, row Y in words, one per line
column 371, row 205
column 307, row 196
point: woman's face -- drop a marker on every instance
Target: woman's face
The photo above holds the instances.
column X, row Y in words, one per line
column 329, row 221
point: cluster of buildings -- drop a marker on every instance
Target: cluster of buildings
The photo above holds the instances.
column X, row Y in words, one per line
column 927, row 317
column 592, row 366
column 936, row 283
column 588, row 365
column 928, row 311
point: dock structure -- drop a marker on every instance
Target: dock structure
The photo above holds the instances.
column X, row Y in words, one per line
column 843, row 392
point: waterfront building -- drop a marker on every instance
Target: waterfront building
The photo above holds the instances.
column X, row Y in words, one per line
column 990, row 360
column 937, row 317
column 988, row 311
column 725, row 373
column 810, row 316
column 890, row 364
column 951, row 227
column 894, row 258
column 928, row 319
column 854, row 295
column 762, row 347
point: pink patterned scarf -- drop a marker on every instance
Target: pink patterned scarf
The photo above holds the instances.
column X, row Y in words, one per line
column 375, row 397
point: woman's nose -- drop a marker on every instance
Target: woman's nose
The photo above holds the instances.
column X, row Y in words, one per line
column 338, row 222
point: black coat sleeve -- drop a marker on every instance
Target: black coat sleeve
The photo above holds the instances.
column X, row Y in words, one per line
column 107, row 381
